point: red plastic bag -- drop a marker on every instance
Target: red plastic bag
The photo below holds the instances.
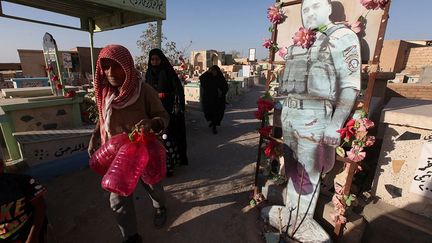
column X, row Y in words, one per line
column 155, row 170
column 102, row 158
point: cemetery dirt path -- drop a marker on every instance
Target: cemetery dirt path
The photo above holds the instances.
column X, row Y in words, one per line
column 204, row 200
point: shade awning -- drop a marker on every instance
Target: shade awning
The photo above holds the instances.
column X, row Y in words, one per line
column 105, row 14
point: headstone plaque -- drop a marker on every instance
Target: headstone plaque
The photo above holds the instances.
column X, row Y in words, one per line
column 52, row 63
column 67, row 60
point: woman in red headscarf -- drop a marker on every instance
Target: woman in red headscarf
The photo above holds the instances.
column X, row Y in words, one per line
column 125, row 102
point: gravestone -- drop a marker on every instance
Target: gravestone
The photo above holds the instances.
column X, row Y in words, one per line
column 52, row 63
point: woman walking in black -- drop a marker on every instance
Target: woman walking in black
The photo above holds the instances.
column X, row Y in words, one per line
column 162, row 77
column 214, row 88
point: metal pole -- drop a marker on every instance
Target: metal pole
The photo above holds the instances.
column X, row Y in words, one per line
column 91, row 31
column 257, row 187
column 376, row 58
column 159, row 34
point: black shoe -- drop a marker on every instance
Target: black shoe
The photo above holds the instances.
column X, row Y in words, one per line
column 210, row 124
column 136, row 238
column 159, row 217
column 214, row 130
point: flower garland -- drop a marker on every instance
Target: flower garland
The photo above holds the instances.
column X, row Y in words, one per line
column 265, row 103
column 355, row 137
column 276, row 16
column 265, row 106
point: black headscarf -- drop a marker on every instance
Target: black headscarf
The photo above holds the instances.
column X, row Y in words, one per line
column 164, row 64
column 164, row 79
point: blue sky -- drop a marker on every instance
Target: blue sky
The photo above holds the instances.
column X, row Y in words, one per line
column 222, row 25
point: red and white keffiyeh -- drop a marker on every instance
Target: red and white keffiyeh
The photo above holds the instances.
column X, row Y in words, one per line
column 106, row 98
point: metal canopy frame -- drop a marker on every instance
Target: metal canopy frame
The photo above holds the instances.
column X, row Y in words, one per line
column 98, row 15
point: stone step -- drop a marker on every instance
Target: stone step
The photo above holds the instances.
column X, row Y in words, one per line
column 275, row 195
column 387, row 223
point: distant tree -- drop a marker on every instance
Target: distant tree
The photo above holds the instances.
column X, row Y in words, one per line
column 148, row 41
column 235, row 53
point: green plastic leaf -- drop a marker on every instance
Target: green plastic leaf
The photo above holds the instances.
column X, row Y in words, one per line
column 349, row 199
column 270, row 29
column 348, row 202
column 267, row 96
column 340, row 151
column 252, row 202
column 322, row 28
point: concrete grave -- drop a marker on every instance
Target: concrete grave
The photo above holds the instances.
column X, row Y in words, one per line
column 404, row 171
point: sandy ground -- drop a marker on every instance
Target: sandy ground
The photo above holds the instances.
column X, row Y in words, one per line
column 204, row 200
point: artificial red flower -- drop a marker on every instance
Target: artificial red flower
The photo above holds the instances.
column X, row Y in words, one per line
column 348, row 131
column 49, row 69
column 70, row 94
column 259, row 114
column 370, row 4
column 54, row 78
column 161, row 95
column 304, row 37
column 269, row 149
column 265, row 131
column 370, row 141
column 360, row 135
column 59, row 86
column 275, row 15
column 368, row 123
column 265, row 104
column 383, row 3
column 267, row 43
column 356, row 154
column 282, row 52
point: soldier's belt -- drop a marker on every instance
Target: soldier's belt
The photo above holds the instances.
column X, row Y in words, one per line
column 306, row 104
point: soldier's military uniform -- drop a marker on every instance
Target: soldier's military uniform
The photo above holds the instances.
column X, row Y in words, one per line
column 311, row 83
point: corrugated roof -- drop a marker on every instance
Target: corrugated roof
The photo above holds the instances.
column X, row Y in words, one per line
column 106, row 14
